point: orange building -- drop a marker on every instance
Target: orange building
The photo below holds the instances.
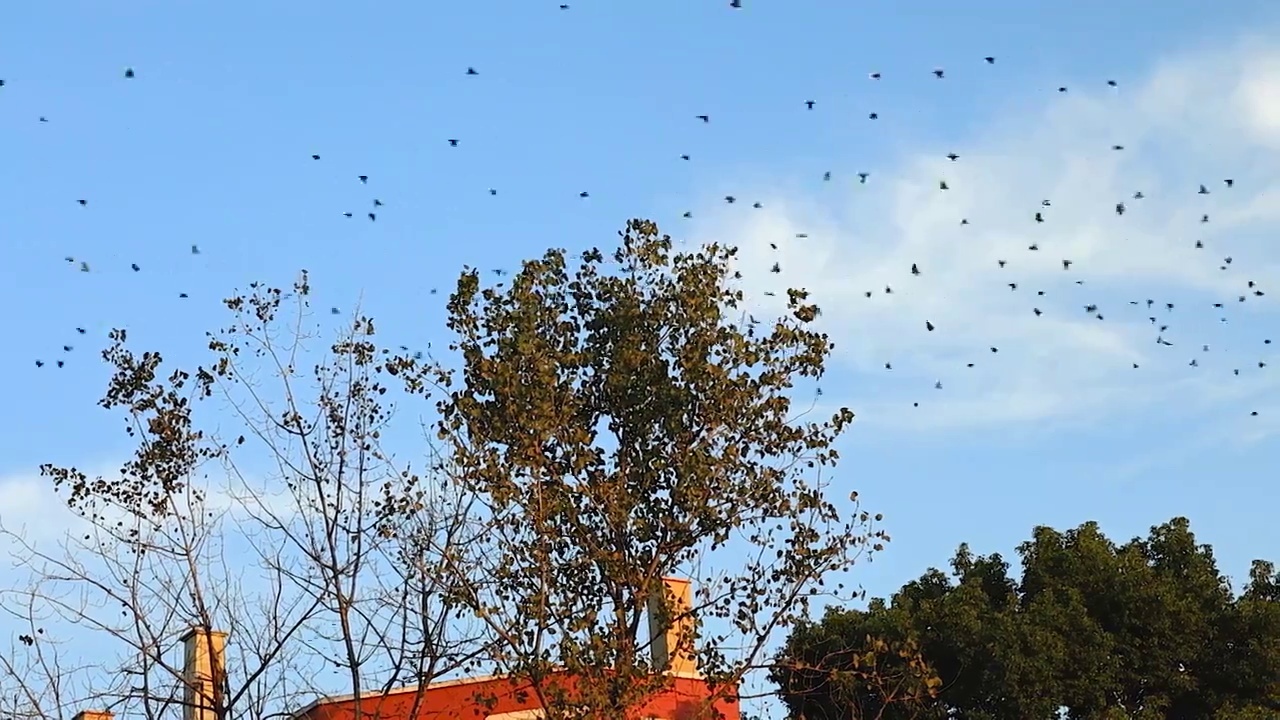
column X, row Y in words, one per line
column 685, row 696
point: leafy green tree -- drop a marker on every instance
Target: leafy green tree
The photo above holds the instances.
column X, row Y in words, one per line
column 883, row 675
column 1148, row 629
column 1251, row 647
column 620, row 423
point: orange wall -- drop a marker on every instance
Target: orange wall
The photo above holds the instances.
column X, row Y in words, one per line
column 456, row 701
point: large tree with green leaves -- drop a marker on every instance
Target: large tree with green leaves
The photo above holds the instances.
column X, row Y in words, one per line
column 1147, row 629
column 621, row 423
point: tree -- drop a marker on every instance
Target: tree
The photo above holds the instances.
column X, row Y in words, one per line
column 291, row 474
column 1148, row 629
column 620, row 425
column 869, row 665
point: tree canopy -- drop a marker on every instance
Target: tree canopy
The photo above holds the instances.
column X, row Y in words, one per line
column 1092, row 630
column 620, row 423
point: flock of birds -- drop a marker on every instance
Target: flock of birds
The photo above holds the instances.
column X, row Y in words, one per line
column 1160, row 311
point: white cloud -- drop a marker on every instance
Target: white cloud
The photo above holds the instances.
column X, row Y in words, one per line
column 35, row 512
column 1195, row 119
column 1257, row 96
column 31, row 508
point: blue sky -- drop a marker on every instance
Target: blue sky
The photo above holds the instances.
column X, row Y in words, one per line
column 211, row 143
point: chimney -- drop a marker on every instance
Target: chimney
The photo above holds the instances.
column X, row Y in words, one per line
column 671, row 637
column 201, row 673
column 94, row 715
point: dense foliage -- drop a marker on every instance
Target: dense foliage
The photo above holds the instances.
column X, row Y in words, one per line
column 1092, row 630
column 619, row 423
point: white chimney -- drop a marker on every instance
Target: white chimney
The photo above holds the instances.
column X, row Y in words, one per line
column 671, row 629
column 202, row 673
